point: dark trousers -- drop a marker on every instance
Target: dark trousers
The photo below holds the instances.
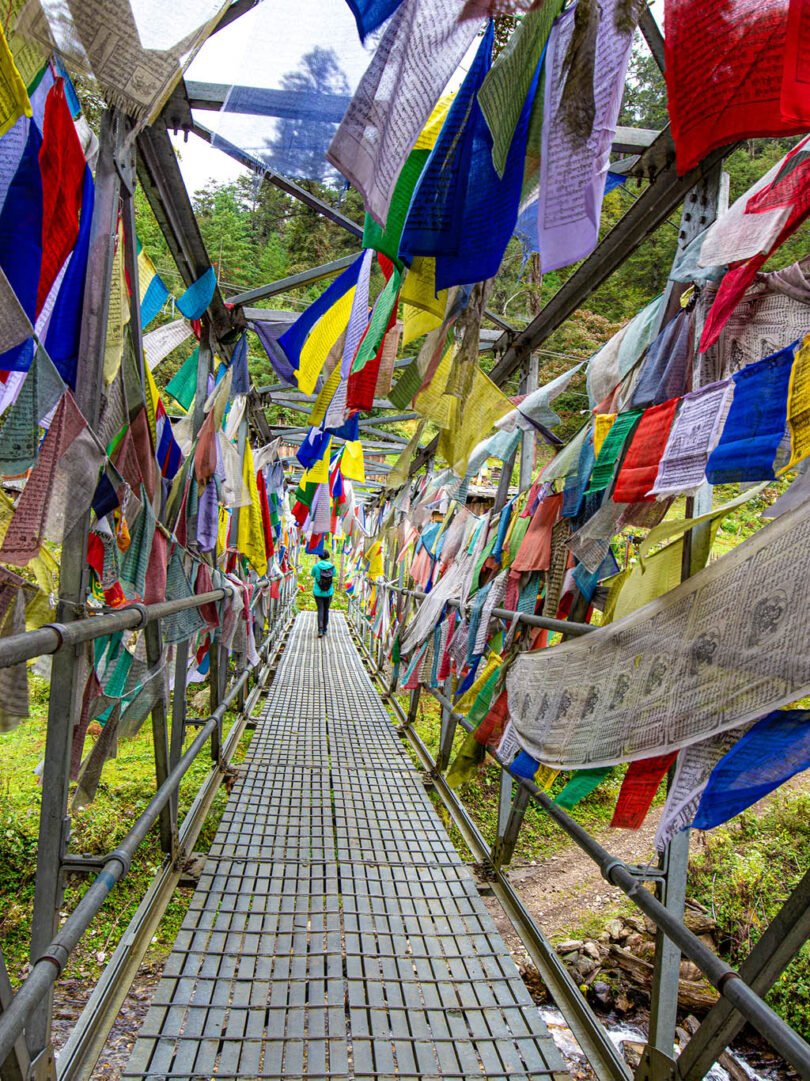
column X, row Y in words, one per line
column 323, row 613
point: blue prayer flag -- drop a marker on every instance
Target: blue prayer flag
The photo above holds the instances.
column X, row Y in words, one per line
column 756, row 421
column 525, row 766
column 21, row 243
column 293, row 340
column 775, row 749
column 369, row 14
column 462, row 212
column 156, row 295
column 194, row 302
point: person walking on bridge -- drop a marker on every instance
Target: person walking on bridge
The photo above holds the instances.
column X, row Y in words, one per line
column 323, row 574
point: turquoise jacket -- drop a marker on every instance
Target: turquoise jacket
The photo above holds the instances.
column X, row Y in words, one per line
column 320, row 565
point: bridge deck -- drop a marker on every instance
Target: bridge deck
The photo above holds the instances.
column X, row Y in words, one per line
column 335, row 932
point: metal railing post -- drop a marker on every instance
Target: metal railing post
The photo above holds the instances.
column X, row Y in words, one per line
column 447, row 731
column 509, row 824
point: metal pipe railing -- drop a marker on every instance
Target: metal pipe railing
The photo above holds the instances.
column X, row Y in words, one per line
column 721, row 975
column 48, row 967
column 56, row 636
column 546, row 623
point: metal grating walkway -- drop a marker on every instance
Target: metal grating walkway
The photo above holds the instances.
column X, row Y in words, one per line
column 335, row 932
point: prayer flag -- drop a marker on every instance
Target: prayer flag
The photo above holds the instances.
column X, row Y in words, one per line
column 183, row 385
column 14, row 101
column 798, row 409
column 420, row 49
column 756, row 422
column 463, row 213
column 63, row 166
column 772, row 752
column 641, row 461
column 369, row 14
column 612, row 448
column 153, row 290
column 292, row 342
column 21, row 242
column 573, row 167
column 250, row 534
column 726, row 68
column 65, row 324
column 196, row 299
column 641, row 782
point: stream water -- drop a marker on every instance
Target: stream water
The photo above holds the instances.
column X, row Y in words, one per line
column 621, row 1034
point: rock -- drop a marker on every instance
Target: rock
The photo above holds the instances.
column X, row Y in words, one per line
column 699, row 923
column 615, row 928
column 690, row 971
column 584, row 968
column 632, row 1053
column 624, row 1004
column 590, row 949
column 602, row 993
column 569, row 945
column 635, row 923
column 604, row 937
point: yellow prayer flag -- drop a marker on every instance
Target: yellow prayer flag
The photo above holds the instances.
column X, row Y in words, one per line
column 323, row 337
column 375, row 560
column 152, row 398
column 419, row 288
column 465, row 703
column 602, row 424
column 250, row 535
column 319, row 473
column 473, row 420
column 326, row 395
column 352, row 464
column 545, row 777
column 14, row 101
column 416, row 323
column 798, row 407
column 432, row 402
column 431, row 130
column 224, row 528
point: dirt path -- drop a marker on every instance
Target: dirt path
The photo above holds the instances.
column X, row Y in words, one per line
column 562, row 891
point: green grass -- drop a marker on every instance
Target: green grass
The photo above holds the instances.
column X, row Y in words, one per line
column 743, row 874
column 127, row 784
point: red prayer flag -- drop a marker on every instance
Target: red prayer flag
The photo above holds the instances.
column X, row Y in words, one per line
column 491, row 729
column 362, row 384
column 796, row 83
column 62, row 164
column 789, row 188
column 638, row 790
column 640, row 466
column 726, row 66
column 534, row 553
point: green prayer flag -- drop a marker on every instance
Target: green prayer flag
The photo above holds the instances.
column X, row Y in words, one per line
column 183, row 386
column 581, row 785
column 386, row 241
column 378, row 323
column 483, row 699
column 407, row 386
column 612, row 448
column 507, row 84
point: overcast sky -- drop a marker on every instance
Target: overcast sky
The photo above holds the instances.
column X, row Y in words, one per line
column 257, row 50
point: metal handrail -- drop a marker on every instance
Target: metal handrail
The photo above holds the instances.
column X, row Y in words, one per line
column 719, row 973
column 48, row 967
column 56, row 636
